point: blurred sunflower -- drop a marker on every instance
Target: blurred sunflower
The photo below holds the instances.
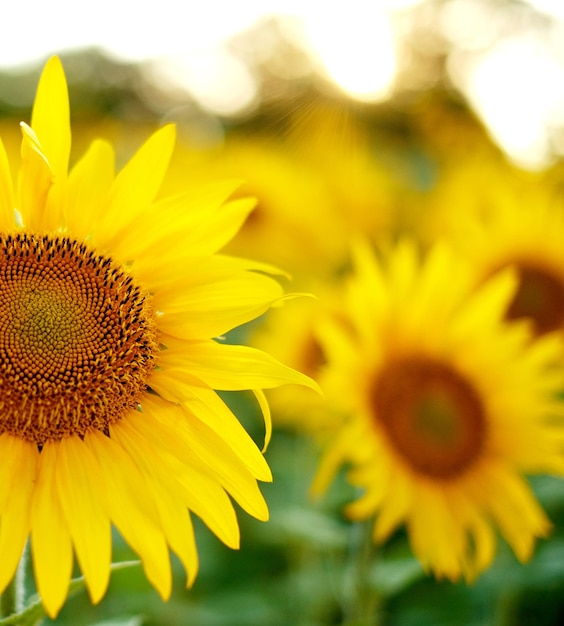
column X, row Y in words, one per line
column 297, row 407
column 461, row 134
column 364, row 177
column 472, row 187
column 294, row 224
column 447, row 408
column 526, row 233
column 108, row 369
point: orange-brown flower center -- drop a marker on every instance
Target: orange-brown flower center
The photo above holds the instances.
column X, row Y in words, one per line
column 77, row 339
column 312, row 357
column 432, row 416
column 540, row 297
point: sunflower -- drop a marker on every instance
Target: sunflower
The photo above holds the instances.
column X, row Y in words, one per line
column 524, row 230
column 109, row 368
column 447, row 408
column 297, row 407
column 473, row 186
column 295, row 223
column 354, row 161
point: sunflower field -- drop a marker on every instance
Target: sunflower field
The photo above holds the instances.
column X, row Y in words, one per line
column 293, row 358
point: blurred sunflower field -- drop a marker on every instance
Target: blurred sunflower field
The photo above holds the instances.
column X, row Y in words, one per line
column 410, row 203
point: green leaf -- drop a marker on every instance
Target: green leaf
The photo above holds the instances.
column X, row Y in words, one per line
column 136, row 620
column 390, row 577
column 310, row 527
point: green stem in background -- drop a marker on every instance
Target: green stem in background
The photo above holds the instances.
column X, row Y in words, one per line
column 12, row 600
column 362, row 601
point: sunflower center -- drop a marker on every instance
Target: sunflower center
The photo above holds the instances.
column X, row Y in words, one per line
column 540, row 297
column 313, row 357
column 432, row 416
column 77, row 339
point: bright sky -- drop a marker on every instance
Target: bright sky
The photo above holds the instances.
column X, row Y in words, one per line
column 518, row 88
column 514, row 79
column 516, row 84
column 188, row 36
column 131, row 30
column 145, row 29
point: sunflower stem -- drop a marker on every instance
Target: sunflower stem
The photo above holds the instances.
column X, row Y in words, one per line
column 12, row 600
column 363, row 601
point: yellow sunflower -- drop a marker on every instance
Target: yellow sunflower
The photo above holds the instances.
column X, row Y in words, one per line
column 447, row 408
column 353, row 159
column 525, row 230
column 108, row 367
column 298, row 346
column 473, row 186
column 295, row 223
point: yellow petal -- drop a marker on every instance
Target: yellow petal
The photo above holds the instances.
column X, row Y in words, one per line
column 198, row 491
column 329, row 464
column 50, row 118
column 371, row 500
column 402, row 271
column 50, row 539
column 159, row 274
column 483, row 537
column 87, row 190
column 266, row 415
column 133, row 514
column 7, row 202
column 229, row 367
column 429, row 534
column 222, row 227
column 192, row 223
column 520, row 517
column 488, row 303
column 206, row 405
column 195, row 309
column 79, row 493
column 18, row 475
column 35, row 179
column 187, row 435
column 174, row 517
column 203, row 495
column 136, row 186
column 398, row 500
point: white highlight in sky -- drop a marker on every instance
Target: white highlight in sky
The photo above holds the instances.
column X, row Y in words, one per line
column 518, row 89
column 217, row 80
column 554, row 8
column 354, row 42
column 132, row 31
